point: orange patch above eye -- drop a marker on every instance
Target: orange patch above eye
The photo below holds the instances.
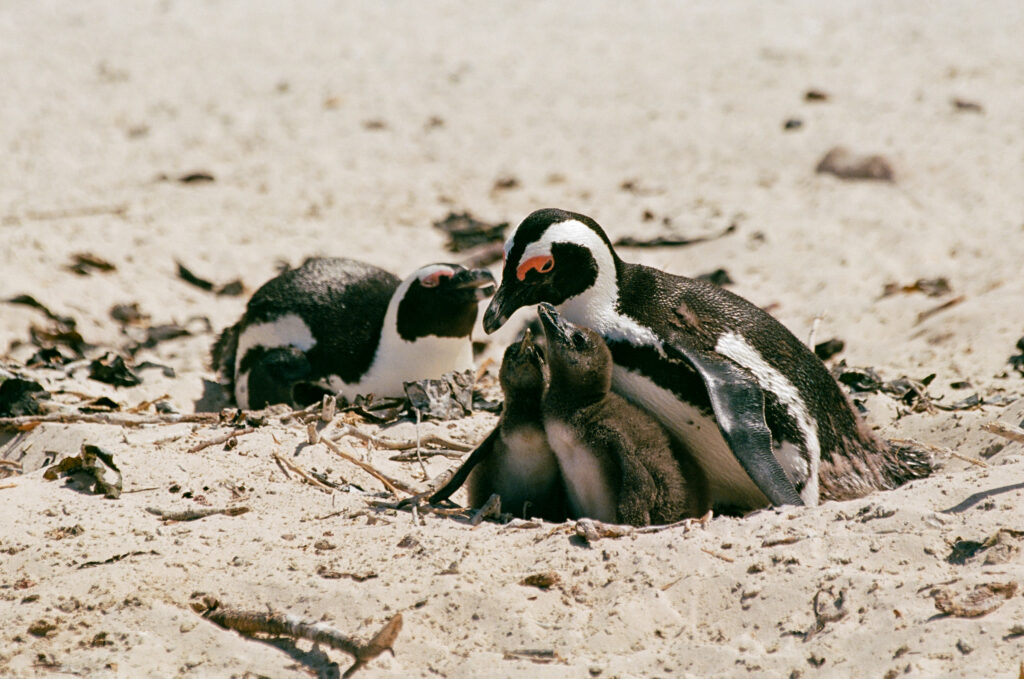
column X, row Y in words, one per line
column 540, row 264
column 435, row 278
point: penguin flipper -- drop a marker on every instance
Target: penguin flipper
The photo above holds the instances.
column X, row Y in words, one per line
column 479, row 454
column 738, row 402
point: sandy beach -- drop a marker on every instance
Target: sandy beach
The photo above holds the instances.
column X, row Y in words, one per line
column 233, row 138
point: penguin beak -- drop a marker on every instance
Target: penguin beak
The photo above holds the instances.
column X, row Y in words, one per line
column 480, row 281
column 499, row 310
column 556, row 329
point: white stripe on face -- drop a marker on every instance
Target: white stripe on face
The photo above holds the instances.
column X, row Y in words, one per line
column 738, row 349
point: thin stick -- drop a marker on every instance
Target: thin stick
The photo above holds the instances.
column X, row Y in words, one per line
column 393, row 485
column 427, row 452
column 814, row 330
column 723, row 557
column 279, row 624
column 928, row 313
column 942, row 451
column 4, row 486
column 280, row 463
column 311, row 480
column 419, row 458
column 220, row 439
column 11, row 463
column 1007, row 431
column 327, row 409
column 84, row 211
column 119, row 419
column 484, row 365
column 393, row 444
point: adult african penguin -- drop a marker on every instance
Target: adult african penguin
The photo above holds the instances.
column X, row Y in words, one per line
column 619, row 465
column 344, row 326
column 515, row 460
column 760, row 412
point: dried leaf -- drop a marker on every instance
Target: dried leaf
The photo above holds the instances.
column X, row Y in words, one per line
column 975, row 602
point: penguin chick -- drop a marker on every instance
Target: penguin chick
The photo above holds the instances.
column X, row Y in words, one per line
column 515, row 460
column 339, row 325
column 522, row 469
column 618, row 463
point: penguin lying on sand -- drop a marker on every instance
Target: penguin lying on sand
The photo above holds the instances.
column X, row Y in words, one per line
column 515, row 460
column 763, row 417
column 339, row 325
column 618, row 463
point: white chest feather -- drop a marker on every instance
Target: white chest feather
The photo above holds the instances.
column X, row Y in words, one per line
column 728, row 483
column 529, row 465
column 398, row 361
column 589, row 490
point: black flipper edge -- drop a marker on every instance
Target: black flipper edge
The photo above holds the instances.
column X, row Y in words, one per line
column 738, row 402
column 476, row 457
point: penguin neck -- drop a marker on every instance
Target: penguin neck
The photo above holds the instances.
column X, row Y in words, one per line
column 521, row 407
column 599, row 307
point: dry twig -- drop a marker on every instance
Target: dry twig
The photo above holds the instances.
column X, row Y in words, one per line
column 24, row 422
column 250, row 623
column 220, row 439
column 1007, row 431
column 393, row 485
column 306, row 476
column 393, row 444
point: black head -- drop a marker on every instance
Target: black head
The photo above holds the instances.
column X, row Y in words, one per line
column 522, row 369
column 579, row 361
column 552, row 256
column 441, row 300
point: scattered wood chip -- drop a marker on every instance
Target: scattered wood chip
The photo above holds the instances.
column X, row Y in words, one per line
column 829, row 348
column 250, row 623
column 974, row 602
column 84, row 263
column 231, row 289
column 95, row 462
column 932, row 287
column 466, row 232
column 966, row 105
column 828, row 607
column 197, row 513
column 112, row 369
column 815, row 95
column 118, row 557
column 539, row 656
column 787, row 540
column 329, row 574
column 544, row 580
column 928, row 313
column 196, row 177
column 845, row 164
column 491, row 508
column 672, row 241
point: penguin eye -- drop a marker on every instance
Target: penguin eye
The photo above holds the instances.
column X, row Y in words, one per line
column 434, row 279
column 540, row 264
column 579, row 341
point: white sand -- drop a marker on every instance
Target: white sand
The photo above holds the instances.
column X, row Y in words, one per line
column 573, row 100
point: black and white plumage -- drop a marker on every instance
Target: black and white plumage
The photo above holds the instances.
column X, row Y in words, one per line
column 756, row 408
column 343, row 326
column 515, row 460
column 617, row 462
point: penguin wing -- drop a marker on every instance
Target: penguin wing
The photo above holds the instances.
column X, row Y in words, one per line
column 479, row 454
column 738, row 402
